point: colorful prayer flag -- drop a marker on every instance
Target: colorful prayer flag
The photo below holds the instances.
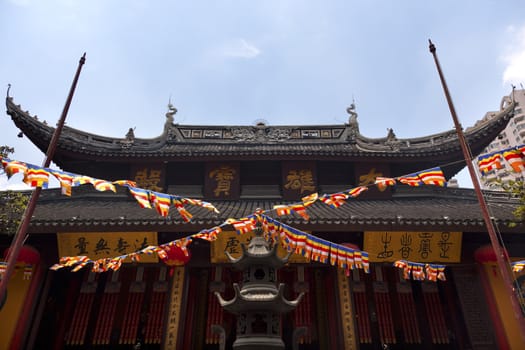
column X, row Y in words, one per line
column 301, row 210
column 324, row 250
column 12, row 167
column 200, row 203
column 125, row 183
column 518, row 266
column 515, row 160
column 65, row 180
column 410, row 180
column 489, row 162
column 161, row 202
column 243, row 225
column 82, row 180
column 35, row 176
column 142, row 196
column 209, row 235
column 366, row 261
column 282, row 210
column 383, row 182
column 103, row 185
column 310, row 199
column 186, row 215
column 432, row 176
column 354, row 192
column 334, row 200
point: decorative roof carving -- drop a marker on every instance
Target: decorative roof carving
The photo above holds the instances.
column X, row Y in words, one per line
column 279, row 134
column 170, row 113
column 352, row 121
column 392, row 141
column 129, row 140
column 243, row 134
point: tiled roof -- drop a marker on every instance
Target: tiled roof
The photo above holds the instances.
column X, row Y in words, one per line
column 426, row 208
column 271, row 142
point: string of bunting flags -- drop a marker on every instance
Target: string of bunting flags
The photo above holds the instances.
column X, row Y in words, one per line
column 309, row 246
column 517, row 266
column 433, row 176
column 36, row 176
column 421, row 272
column 515, row 157
column 293, row 240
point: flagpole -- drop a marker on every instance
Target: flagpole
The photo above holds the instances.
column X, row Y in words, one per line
column 16, row 245
column 498, row 249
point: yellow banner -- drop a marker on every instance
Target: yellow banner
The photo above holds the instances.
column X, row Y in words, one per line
column 98, row 245
column 230, row 241
column 413, row 246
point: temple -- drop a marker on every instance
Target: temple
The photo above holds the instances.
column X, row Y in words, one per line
column 245, row 172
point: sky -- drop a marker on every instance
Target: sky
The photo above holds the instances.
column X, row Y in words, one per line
column 231, row 62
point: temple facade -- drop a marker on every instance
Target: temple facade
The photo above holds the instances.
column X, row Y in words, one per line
column 171, row 302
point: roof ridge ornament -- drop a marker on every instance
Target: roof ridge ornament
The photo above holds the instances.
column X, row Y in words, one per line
column 169, row 125
column 352, row 121
column 392, row 141
column 353, row 124
column 129, row 139
column 171, row 112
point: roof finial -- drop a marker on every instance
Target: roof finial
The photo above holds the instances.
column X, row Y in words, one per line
column 353, row 114
column 8, row 88
column 171, row 112
column 431, row 46
column 391, row 136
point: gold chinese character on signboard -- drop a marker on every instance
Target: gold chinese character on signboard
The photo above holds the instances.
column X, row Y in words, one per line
column 370, row 178
column 148, row 179
column 223, row 176
column 106, row 244
column 300, row 180
column 415, row 246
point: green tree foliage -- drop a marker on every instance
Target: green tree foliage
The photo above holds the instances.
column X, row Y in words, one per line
column 517, row 190
column 12, row 203
column 6, row 150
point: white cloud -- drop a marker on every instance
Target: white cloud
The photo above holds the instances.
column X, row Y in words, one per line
column 240, row 48
column 514, row 58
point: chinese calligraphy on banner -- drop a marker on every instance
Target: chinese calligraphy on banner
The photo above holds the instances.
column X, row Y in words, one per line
column 98, row 245
column 413, row 246
column 230, row 241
